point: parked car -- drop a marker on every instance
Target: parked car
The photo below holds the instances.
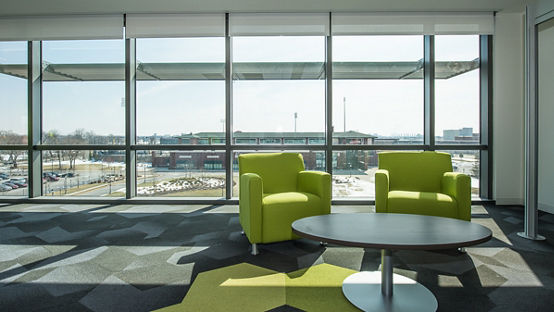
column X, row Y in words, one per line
column 4, row 188
column 4, row 176
column 67, row 175
column 13, row 186
column 47, row 176
column 18, row 183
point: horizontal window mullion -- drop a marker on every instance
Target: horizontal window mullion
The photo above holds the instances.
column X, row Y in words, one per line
column 178, row 147
column 379, row 147
column 80, row 147
column 278, row 147
column 461, row 147
column 14, row 147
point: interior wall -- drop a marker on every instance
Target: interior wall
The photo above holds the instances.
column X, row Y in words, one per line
column 508, row 109
column 546, row 115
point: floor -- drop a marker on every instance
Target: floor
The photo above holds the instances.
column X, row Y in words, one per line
column 145, row 257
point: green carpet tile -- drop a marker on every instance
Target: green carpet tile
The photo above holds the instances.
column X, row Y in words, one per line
column 193, row 258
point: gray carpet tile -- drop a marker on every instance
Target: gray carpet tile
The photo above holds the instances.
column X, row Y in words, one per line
column 62, row 257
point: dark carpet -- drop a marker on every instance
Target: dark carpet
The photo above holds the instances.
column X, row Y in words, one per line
column 141, row 258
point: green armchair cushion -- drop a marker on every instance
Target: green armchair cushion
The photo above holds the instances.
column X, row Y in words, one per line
column 274, row 191
column 424, row 203
column 283, row 209
column 421, row 183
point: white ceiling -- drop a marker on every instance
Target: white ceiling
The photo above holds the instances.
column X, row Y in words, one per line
column 49, row 7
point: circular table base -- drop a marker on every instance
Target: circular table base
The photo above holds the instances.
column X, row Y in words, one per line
column 363, row 290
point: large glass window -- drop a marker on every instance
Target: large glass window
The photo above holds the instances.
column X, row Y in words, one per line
column 83, row 92
column 377, row 90
column 13, row 93
column 181, row 91
column 457, row 89
column 278, row 87
column 181, row 173
column 87, row 173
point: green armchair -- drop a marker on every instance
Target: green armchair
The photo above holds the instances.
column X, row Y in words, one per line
column 421, row 183
column 274, row 191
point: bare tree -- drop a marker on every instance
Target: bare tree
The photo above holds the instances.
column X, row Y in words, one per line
column 77, row 137
column 9, row 137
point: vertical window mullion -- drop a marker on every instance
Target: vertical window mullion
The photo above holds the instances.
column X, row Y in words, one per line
column 329, row 100
column 429, row 92
column 228, row 111
column 485, row 93
column 34, row 114
column 130, row 118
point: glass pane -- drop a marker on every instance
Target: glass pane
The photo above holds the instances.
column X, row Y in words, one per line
column 181, row 173
column 13, row 173
column 13, row 90
column 377, row 90
column 354, row 174
column 90, row 173
column 457, row 89
column 278, row 89
column 83, row 92
column 467, row 162
column 313, row 160
column 181, row 91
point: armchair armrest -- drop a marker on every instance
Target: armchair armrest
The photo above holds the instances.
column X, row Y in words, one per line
column 381, row 190
column 318, row 183
column 250, row 206
column 458, row 185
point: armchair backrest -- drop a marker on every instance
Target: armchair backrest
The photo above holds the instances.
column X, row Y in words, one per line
column 415, row 171
column 279, row 171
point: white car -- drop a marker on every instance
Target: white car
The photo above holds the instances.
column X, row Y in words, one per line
column 4, row 188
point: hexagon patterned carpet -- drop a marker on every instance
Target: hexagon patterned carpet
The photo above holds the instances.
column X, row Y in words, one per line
column 246, row 287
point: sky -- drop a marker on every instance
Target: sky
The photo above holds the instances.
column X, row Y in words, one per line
column 383, row 107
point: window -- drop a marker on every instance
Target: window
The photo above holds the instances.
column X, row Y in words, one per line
column 83, row 92
column 457, row 89
column 270, row 141
column 278, row 85
column 181, row 90
column 13, row 173
column 353, row 173
column 180, row 174
column 86, row 173
column 276, row 94
column 13, row 90
column 295, row 141
column 377, row 90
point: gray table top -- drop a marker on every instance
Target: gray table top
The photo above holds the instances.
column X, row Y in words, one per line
column 391, row 231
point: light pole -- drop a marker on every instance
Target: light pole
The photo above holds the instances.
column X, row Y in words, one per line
column 223, row 126
column 344, row 113
column 295, row 116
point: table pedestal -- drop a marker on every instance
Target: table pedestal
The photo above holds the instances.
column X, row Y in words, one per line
column 387, row 292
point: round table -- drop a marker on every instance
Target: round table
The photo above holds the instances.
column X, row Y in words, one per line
column 388, row 232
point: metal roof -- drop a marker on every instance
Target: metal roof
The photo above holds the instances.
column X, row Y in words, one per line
column 242, row 71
